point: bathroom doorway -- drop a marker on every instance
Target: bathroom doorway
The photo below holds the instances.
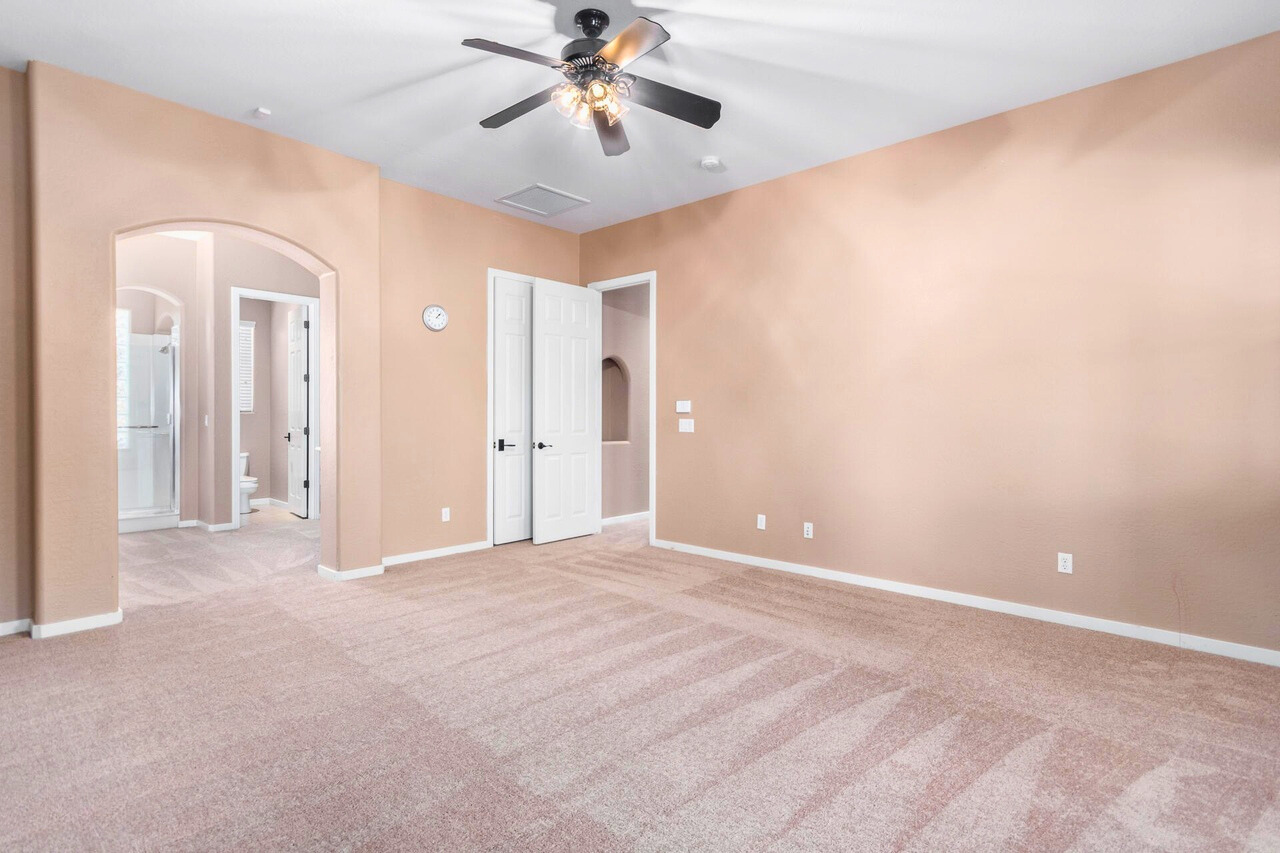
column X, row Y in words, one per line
column 275, row 368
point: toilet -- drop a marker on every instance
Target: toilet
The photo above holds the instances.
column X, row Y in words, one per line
column 248, row 485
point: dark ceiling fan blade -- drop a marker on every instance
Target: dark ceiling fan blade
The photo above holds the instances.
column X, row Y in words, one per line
column 642, row 36
column 613, row 139
column 514, row 111
column 515, row 53
column 676, row 103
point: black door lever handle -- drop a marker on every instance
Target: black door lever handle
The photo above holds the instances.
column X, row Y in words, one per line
column 541, row 446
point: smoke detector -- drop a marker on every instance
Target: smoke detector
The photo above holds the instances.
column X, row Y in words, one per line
column 712, row 163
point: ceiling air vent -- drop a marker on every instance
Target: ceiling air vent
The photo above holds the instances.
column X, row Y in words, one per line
column 543, row 201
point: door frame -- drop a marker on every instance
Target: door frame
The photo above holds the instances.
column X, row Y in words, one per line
column 313, row 392
column 650, row 278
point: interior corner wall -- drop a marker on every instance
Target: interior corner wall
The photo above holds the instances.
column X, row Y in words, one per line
column 439, row 250
column 15, row 352
column 150, row 161
column 1055, row 329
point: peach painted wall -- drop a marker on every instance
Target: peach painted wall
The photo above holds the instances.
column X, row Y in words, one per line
column 1056, row 329
column 625, row 337
column 15, row 352
column 279, row 403
column 438, row 250
column 255, row 428
column 148, row 161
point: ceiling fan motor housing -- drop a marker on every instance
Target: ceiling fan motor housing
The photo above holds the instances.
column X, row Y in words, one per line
column 592, row 22
column 582, row 49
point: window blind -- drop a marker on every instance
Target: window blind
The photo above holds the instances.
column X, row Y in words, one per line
column 244, row 377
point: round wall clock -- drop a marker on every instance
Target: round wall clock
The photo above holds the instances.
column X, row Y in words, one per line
column 435, row 318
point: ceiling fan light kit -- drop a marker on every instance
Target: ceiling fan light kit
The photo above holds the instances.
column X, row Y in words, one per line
column 596, row 88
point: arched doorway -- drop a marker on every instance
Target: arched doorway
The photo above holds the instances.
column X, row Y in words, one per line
column 207, row 335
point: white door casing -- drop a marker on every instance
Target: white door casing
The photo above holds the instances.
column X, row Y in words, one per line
column 298, row 437
column 512, row 410
column 566, row 411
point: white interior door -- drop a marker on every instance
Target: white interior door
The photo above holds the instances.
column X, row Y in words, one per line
column 566, row 411
column 299, row 427
column 512, row 411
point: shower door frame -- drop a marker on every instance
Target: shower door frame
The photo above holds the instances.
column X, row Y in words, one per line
column 142, row 520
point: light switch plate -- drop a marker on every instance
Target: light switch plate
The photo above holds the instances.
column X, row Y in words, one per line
column 684, row 407
column 444, row 514
column 686, row 424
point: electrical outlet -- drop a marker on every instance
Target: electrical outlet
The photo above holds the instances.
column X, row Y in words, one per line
column 684, row 407
column 759, row 522
column 686, row 424
column 1064, row 563
column 808, row 530
column 444, row 514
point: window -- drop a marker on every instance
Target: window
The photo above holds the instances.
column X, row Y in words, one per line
column 615, row 400
column 124, row 324
column 244, row 377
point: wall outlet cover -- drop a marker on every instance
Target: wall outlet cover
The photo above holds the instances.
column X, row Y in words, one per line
column 444, row 514
column 759, row 522
column 684, row 407
column 808, row 530
column 686, row 424
column 1064, row 563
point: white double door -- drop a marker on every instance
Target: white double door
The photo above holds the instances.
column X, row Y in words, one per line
column 546, row 410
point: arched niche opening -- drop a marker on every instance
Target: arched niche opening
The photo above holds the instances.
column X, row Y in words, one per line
column 615, row 398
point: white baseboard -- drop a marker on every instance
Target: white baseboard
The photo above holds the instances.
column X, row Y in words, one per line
column 623, row 519
column 433, row 554
column 71, row 626
column 211, row 528
column 279, row 503
column 189, row 522
column 259, row 501
column 17, row 626
column 141, row 523
column 349, row 574
column 1254, row 654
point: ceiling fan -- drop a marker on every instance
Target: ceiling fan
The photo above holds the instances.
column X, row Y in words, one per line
column 597, row 90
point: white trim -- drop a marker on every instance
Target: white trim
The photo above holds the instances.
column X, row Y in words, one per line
column 650, row 278
column 71, row 626
column 208, row 528
column 139, row 523
column 312, row 304
column 623, row 519
column 1254, row 654
column 260, row 502
column 17, row 626
column 435, row 552
column 349, row 574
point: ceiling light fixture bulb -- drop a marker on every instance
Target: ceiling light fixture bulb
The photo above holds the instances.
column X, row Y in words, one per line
column 615, row 110
column 581, row 117
column 598, row 94
column 566, row 99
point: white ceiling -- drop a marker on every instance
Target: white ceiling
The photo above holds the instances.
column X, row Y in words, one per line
column 803, row 82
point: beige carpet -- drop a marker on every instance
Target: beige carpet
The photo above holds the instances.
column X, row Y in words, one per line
column 602, row 695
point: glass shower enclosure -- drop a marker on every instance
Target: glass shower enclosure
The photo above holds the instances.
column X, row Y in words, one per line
column 146, row 390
